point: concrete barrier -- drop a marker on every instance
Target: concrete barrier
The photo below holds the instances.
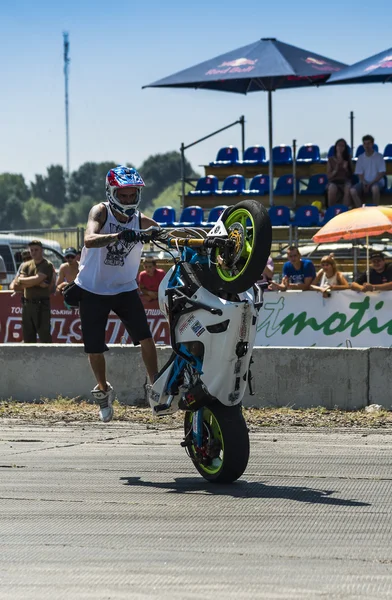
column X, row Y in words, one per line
column 298, row 377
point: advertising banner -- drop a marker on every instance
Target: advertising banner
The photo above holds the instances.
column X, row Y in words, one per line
column 66, row 323
column 346, row 318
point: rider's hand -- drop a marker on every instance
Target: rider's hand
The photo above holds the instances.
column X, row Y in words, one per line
column 128, row 235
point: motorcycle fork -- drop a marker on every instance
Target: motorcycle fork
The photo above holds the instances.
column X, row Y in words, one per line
column 197, row 427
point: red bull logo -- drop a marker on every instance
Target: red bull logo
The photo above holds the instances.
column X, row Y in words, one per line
column 314, row 61
column 320, row 65
column 384, row 63
column 237, row 65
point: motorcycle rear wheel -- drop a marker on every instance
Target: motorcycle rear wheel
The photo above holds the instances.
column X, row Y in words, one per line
column 224, row 454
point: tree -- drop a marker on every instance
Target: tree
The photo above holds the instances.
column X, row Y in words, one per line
column 160, row 171
column 13, row 194
column 39, row 214
column 171, row 196
column 51, row 188
column 89, row 180
column 76, row 213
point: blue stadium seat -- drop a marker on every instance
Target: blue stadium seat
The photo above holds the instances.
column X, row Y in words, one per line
column 332, row 211
column 388, row 153
column 332, row 150
column 317, row 185
column 214, row 215
column 206, row 186
column 279, row 215
column 282, row 155
column 361, row 150
column 308, row 154
column 285, row 186
column 165, row 216
column 226, row 156
column 233, row 185
column 191, row 215
column 254, row 155
column 307, row 216
column 259, row 186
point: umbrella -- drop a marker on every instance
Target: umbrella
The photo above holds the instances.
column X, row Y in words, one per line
column 359, row 222
column 263, row 66
column 375, row 69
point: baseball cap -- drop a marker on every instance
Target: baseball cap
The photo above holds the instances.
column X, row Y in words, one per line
column 376, row 254
column 70, row 251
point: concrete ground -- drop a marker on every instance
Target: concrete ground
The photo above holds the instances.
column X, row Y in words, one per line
column 119, row 512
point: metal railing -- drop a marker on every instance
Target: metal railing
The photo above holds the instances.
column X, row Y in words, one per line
column 65, row 236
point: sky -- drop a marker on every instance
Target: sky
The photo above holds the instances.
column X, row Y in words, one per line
column 116, row 48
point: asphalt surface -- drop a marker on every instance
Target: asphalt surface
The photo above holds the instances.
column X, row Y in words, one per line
column 118, row 511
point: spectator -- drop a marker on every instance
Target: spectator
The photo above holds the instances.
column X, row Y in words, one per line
column 34, row 280
column 328, row 277
column 23, row 256
column 298, row 273
column 380, row 276
column 268, row 272
column 371, row 171
column 68, row 270
column 339, row 173
column 3, row 270
column 149, row 279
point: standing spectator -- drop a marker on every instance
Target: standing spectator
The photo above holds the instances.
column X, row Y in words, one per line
column 328, row 277
column 371, row 171
column 298, row 273
column 34, row 280
column 68, row 270
column 150, row 278
column 380, row 276
column 107, row 278
column 339, row 173
column 24, row 257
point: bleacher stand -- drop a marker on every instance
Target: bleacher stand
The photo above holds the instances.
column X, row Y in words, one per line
column 282, row 155
column 316, row 186
column 233, row 185
column 279, row 215
column 226, row 156
column 206, row 186
column 332, row 211
column 254, row 155
column 388, row 153
column 165, row 216
column 308, row 154
column 191, row 215
column 259, row 186
column 285, row 186
column 214, row 215
column 306, row 216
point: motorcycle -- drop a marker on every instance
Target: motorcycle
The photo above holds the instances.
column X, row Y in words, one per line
column 211, row 302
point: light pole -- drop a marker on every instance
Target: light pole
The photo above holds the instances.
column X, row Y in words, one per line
column 66, row 67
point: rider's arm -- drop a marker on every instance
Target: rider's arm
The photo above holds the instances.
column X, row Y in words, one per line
column 146, row 222
column 96, row 220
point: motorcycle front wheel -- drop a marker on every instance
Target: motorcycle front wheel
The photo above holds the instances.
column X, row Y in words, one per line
column 249, row 226
column 224, row 453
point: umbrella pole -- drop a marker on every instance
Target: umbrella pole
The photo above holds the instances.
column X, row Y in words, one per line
column 367, row 260
column 270, row 164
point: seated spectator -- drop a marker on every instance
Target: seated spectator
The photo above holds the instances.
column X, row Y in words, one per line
column 380, row 276
column 328, row 277
column 298, row 273
column 268, row 272
column 149, row 279
column 339, row 173
column 371, row 171
column 68, row 270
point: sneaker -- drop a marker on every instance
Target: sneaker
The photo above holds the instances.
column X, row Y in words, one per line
column 105, row 400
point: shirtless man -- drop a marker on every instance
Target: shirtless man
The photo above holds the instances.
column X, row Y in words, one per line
column 68, row 270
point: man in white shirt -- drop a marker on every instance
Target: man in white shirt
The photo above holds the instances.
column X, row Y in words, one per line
column 371, row 171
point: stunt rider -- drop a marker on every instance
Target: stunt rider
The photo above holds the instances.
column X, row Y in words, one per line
column 108, row 269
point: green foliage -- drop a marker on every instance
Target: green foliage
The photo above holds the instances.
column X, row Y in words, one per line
column 77, row 212
column 13, row 194
column 89, row 180
column 39, row 214
column 51, row 188
column 171, row 196
column 159, row 172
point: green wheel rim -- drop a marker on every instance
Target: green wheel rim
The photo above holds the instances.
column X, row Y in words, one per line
column 213, row 425
column 240, row 216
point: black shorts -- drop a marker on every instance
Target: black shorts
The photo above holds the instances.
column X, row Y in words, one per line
column 94, row 313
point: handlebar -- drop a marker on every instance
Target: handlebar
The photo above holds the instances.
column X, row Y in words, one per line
column 157, row 233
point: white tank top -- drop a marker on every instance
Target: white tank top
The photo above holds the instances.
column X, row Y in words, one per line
column 112, row 269
column 328, row 280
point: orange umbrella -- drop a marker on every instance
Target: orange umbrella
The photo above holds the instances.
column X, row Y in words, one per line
column 357, row 223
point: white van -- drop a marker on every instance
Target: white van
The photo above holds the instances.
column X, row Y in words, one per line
column 11, row 246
